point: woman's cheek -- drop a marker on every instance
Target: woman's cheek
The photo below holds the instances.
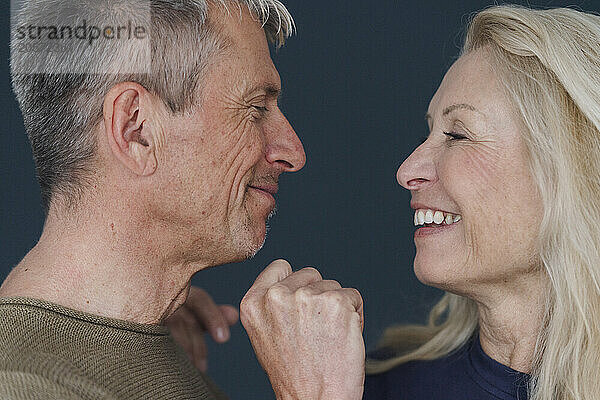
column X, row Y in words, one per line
column 472, row 180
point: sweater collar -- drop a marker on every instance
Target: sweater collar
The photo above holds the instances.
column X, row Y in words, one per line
column 503, row 381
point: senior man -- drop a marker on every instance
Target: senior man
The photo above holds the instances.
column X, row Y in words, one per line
column 158, row 145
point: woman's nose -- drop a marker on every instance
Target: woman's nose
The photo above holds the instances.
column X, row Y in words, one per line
column 418, row 170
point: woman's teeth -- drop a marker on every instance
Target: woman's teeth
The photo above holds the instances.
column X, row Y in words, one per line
column 437, row 217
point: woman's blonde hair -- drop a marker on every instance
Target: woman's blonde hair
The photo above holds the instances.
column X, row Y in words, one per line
column 549, row 64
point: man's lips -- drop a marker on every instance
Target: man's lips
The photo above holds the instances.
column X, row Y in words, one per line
column 270, row 189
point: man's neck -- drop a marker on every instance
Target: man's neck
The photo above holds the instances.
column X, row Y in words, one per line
column 104, row 269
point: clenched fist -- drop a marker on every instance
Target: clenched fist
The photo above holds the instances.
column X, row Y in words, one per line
column 307, row 333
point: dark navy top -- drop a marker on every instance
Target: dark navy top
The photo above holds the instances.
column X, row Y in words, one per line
column 467, row 374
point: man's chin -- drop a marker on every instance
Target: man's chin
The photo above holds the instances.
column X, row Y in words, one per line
column 262, row 238
column 254, row 240
column 248, row 250
column 255, row 251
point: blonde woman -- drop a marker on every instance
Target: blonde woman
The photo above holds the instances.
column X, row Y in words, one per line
column 506, row 194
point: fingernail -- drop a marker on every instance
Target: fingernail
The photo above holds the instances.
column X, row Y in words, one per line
column 222, row 335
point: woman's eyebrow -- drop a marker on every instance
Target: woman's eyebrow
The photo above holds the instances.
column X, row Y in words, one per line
column 462, row 106
column 454, row 107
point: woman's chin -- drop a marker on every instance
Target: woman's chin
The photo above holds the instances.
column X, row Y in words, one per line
column 436, row 274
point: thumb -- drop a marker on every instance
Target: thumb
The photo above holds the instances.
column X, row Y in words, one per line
column 275, row 272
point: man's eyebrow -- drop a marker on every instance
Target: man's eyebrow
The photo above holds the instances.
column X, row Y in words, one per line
column 454, row 107
column 273, row 91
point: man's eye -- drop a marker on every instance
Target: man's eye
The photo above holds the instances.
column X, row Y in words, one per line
column 262, row 110
column 454, row 135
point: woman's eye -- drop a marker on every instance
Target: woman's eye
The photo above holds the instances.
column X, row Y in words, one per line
column 454, row 135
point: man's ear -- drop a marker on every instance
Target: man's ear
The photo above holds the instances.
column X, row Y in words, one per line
column 127, row 107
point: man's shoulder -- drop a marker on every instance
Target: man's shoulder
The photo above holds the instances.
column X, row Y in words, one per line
column 29, row 361
column 17, row 385
column 27, row 376
column 46, row 349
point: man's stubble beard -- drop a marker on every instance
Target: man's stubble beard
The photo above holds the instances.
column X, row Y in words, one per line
column 243, row 237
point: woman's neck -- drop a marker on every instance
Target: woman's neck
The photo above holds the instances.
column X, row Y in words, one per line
column 510, row 323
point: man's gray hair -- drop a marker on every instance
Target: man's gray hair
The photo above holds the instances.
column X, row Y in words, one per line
column 61, row 92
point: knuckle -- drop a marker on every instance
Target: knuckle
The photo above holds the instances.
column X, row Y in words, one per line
column 246, row 317
column 303, row 294
column 246, row 299
column 312, row 271
column 249, row 301
column 248, row 308
column 333, row 283
column 334, row 298
column 276, row 294
column 357, row 294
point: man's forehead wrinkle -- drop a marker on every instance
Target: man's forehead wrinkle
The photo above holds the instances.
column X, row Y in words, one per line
column 226, row 44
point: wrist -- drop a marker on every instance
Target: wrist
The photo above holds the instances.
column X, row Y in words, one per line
column 323, row 395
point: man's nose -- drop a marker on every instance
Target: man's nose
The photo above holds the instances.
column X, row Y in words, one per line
column 283, row 145
column 418, row 170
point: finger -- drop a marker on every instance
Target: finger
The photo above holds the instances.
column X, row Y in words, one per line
column 208, row 314
column 192, row 335
column 275, row 272
column 200, row 353
column 304, row 277
column 181, row 336
column 188, row 323
column 179, row 327
column 230, row 313
column 324, row 286
column 356, row 301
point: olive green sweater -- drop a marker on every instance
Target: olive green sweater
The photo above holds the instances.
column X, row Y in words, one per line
column 53, row 353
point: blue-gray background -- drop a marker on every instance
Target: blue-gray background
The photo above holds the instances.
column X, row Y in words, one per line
column 357, row 80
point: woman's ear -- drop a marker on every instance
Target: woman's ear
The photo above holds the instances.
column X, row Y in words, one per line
column 127, row 106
